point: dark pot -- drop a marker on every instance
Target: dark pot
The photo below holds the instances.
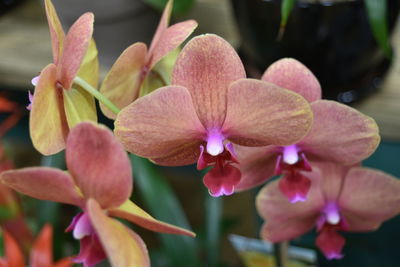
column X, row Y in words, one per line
column 333, row 39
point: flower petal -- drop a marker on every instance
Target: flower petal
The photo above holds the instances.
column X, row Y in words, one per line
column 221, row 180
column 123, row 247
column 162, row 25
column 47, row 123
column 89, row 69
column 131, row 212
column 368, row 198
column 291, row 74
column 331, row 244
column 160, row 123
column 43, row 183
column 42, row 250
column 261, row 113
column 170, row 39
column 78, row 108
column 122, row 83
column 207, row 66
column 257, row 165
column 295, row 186
column 75, row 47
column 56, row 31
column 13, row 253
column 340, row 133
column 284, row 220
column 99, row 164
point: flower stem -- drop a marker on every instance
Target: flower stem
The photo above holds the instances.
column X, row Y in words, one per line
column 93, row 91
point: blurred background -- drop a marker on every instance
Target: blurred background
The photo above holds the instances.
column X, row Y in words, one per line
column 333, row 38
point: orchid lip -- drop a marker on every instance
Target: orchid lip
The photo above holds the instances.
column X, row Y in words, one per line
column 215, row 144
column 332, row 213
column 290, row 154
column 83, row 227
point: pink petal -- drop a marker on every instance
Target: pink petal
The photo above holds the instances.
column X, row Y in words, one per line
column 122, row 246
column 293, row 75
column 284, row 220
column 369, row 197
column 99, row 164
column 257, row 165
column 75, row 47
column 221, row 180
column 340, row 133
column 260, row 113
column 122, row 83
column 295, row 186
column 47, row 123
column 136, row 215
column 207, row 66
column 160, row 124
column 331, row 244
column 170, row 39
column 162, row 25
column 43, row 183
column 56, row 31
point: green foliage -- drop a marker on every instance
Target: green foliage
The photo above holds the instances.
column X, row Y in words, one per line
column 163, row 205
column 180, row 6
column 377, row 10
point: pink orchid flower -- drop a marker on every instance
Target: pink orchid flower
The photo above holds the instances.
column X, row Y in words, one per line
column 209, row 105
column 123, row 83
column 58, row 104
column 353, row 199
column 99, row 181
column 339, row 133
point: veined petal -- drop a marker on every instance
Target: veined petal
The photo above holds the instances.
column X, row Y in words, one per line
column 162, row 25
column 77, row 107
column 47, row 123
column 131, row 212
column 123, row 247
column 89, row 69
column 99, row 164
column 207, row 66
column 257, row 165
column 43, row 183
column 284, row 220
column 291, row 74
column 160, row 123
column 170, row 39
column 261, row 113
column 184, row 155
column 74, row 50
column 13, row 253
column 56, row 31
column 368, row 198
column 340, row 133
column 42, row 250
column 122, row 83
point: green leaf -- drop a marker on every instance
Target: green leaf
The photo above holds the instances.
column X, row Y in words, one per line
column 180, row 6
column 286, row 9
column 163, row 205
column 377, row 10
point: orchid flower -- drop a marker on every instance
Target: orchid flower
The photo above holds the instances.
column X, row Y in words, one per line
column 99, row 181
column 123, row 83
column 58, row 104
column 209, row 105
column 41, row 253
column 339, row 133
column 353, row 199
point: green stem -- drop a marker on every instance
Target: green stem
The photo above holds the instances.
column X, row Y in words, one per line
column 93, row 91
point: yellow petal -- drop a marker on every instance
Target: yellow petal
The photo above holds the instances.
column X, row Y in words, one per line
column 78, row 107
column 123, row 247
